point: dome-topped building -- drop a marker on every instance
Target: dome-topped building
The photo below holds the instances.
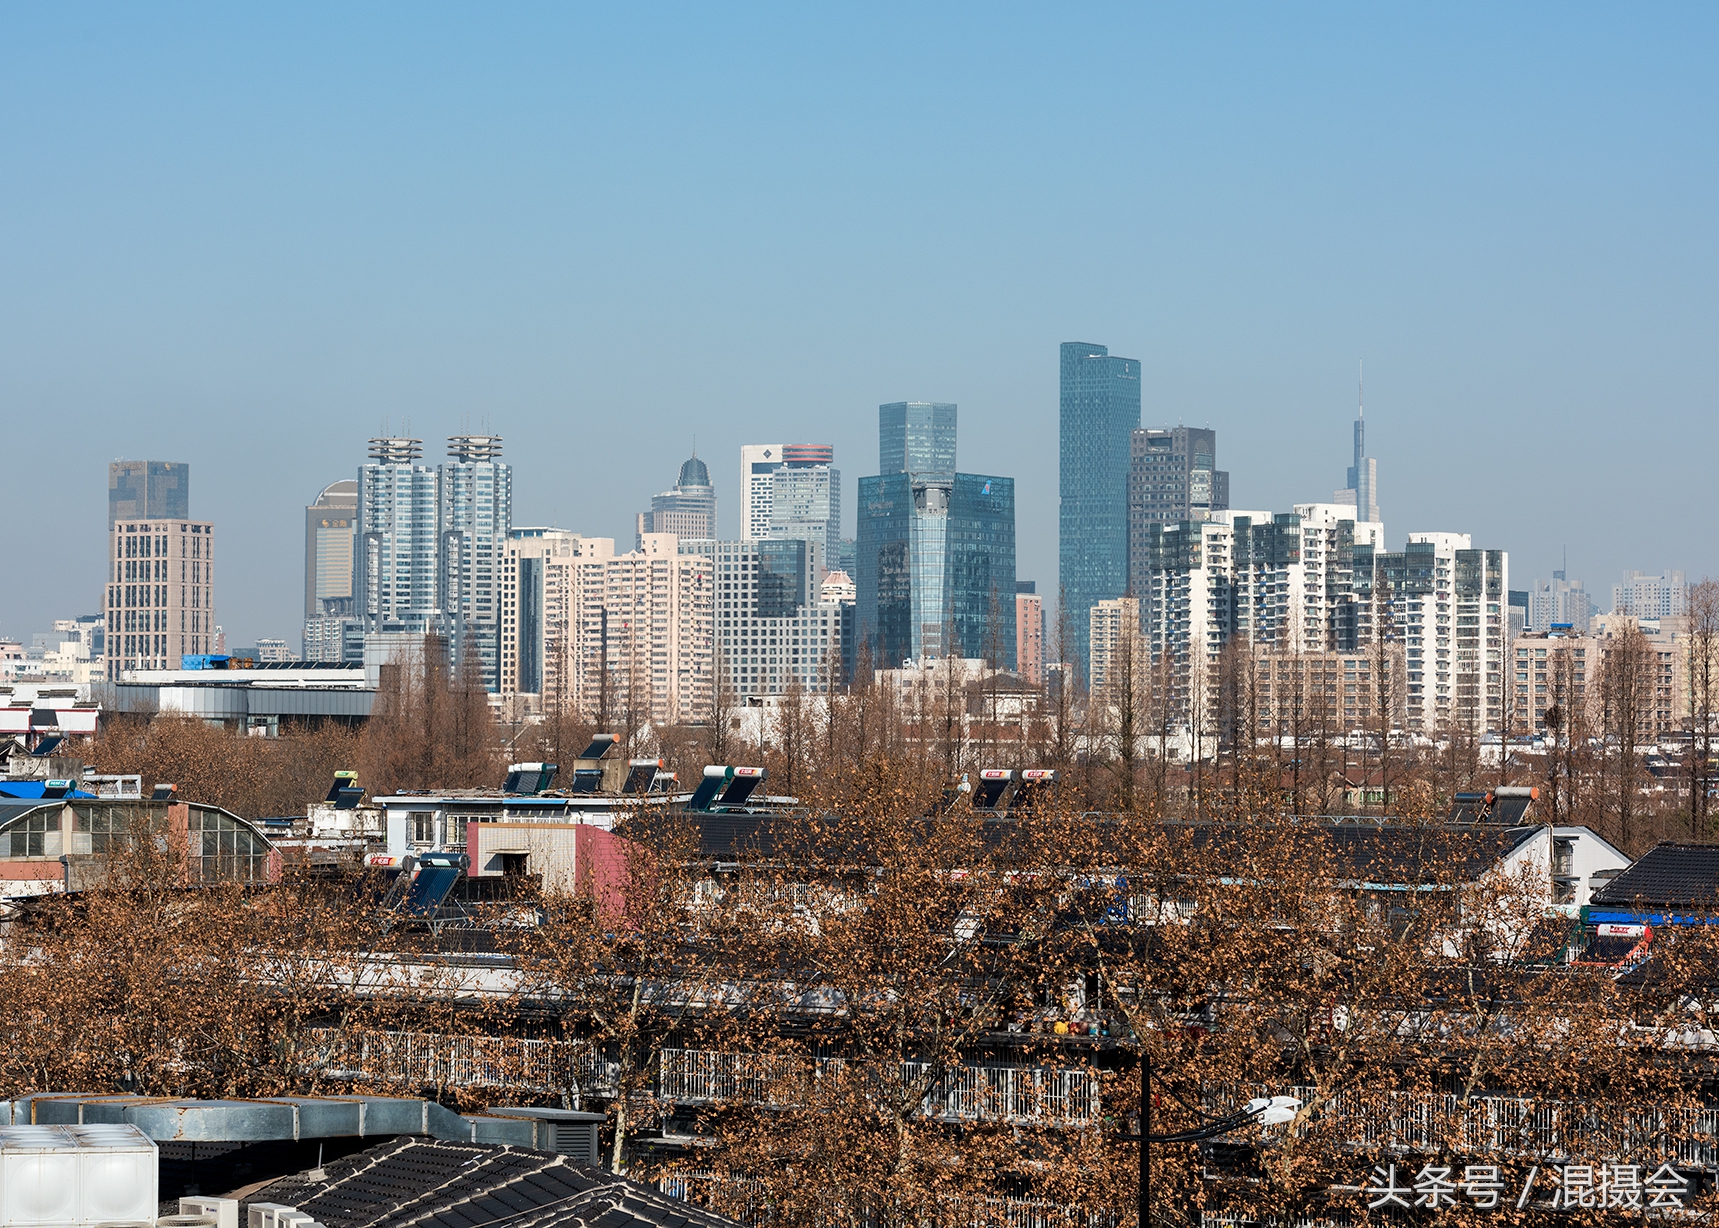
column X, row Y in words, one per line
column 693, row 473
column 687, row 509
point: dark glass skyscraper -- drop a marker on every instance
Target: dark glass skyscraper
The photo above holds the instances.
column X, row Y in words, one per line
column 916, row 437
column 148, row 490
column 1100, row 409
column 936, row 564
column 980, row 572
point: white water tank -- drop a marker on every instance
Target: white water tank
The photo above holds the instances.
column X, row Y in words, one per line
column 76, row 1175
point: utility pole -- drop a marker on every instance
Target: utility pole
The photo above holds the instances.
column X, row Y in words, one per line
column 1145, row 1133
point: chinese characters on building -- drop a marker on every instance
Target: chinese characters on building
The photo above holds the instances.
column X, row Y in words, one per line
column 1561, row 1187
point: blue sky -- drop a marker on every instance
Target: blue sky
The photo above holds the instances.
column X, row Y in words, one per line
column 246, row 237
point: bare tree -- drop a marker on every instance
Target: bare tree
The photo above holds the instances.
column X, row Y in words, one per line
column 1060, row 699
column 1703, row 671
column 1385, row 684
column 1626, row 703
column 721, row 705
column 792, row 734
column 1126, row 691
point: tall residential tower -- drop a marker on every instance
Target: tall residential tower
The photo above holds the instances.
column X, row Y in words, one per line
column 476, row 512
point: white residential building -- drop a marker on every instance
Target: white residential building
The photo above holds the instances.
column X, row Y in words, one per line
column 615, row 636
column 1645, row 596
column 1446, row 605
column 1113, row 625
column 1284, row 580
column 775, row 625
column 476, row 512
column 395, row 547
column 1558, row 602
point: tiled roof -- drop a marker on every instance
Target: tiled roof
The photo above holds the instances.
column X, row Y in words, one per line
column 1671, row 873
column 1405, row 853
column 429, row 1184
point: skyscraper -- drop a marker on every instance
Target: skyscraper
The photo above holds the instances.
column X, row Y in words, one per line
column 936, row 563
column 394, row 563
column 1172, row 477
column 916, row 437
column 148, row 490
column 429, row 543
column 1100, row 407
column 476, row 512
column 328, row 530
column 158, row 602
column 1362, row 492
column 806, row 497
column 758, row 462
column 686, row 509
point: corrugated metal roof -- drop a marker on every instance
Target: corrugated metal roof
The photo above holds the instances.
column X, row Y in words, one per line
column 459, row 1185
column 11, row 808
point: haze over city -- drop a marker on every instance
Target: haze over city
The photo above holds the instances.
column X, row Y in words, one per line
column 248, row 241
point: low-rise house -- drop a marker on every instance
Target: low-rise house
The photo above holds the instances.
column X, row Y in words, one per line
column 55, row 844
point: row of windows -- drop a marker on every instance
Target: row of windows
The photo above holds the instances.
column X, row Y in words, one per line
column 220, row 848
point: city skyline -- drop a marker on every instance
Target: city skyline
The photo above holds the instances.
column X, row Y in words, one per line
column 1260, row 213
column 291, row 634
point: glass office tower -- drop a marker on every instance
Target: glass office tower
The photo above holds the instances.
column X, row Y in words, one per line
column 980, row 573
column 916, row 437
column 1100, row 407
column 936, row 564
column 806, row 496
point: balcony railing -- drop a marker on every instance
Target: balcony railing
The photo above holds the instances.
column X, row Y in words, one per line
column 1025, row 1095
column 429, row 1059
column 746, row 1201
column 1521, row 1128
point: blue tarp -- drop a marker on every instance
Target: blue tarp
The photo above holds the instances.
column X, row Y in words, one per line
column 32, row 788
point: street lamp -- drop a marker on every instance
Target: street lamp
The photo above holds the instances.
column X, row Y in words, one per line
column 1266, row 1111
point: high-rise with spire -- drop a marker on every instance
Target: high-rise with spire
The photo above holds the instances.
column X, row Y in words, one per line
column 1362, row 492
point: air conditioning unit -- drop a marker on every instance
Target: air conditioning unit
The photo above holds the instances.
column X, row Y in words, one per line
column 262, row 1214
column 225, row 1210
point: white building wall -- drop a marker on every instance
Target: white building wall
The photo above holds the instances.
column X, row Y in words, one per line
column 758, row 465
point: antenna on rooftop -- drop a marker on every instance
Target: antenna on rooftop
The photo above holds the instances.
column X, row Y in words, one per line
column 1361, row 389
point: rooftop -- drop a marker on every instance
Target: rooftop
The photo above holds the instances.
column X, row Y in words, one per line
column 432, row 1184
column 1673, row 873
